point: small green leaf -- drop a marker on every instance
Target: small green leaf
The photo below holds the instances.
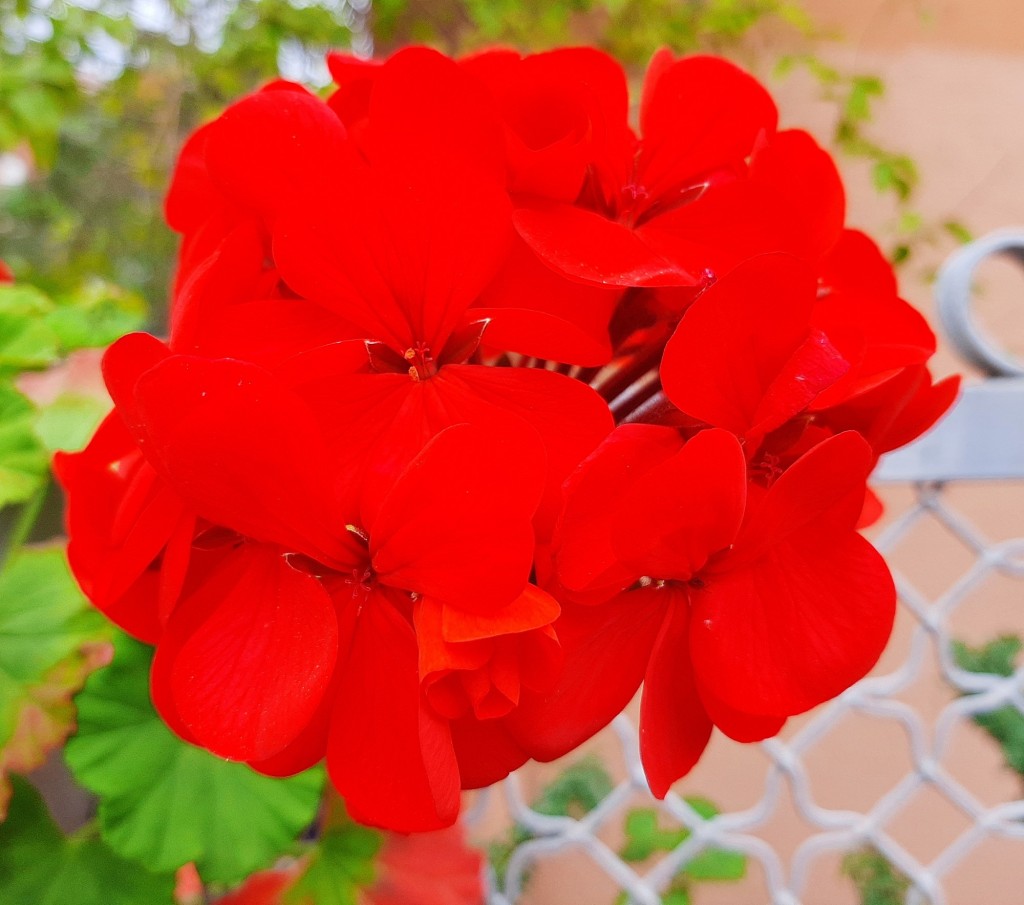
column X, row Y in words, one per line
column 50, row 639
column 39, row 866
column 95, row 316
column 576, row 791
column 877, row 881
column 858, row 103
column 1005, row 725
column 705, row 808
column 997, row 658
column 27, row 342
column 717, row 865
column 900, row 254
column 164, row 802
column 644, row 837
column 958, row 231
column 23, row 459
column 910, row 222
column 678, row 896
column 342, row 864
column 69, row 421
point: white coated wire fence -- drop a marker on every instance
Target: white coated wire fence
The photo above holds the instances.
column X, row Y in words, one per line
column 982, row 439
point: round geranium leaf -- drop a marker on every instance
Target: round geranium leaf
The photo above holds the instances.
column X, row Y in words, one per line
column 50, row 639
column 39, row 865
column 164, row 802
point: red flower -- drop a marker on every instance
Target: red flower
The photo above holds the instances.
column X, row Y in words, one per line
column 359, row 600
column 364, row 244
column 746, row 357
column 707, row 183
column 737, row 604
column 345, row 499
column 6, row 275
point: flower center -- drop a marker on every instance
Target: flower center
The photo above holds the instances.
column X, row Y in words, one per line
column 422, row 364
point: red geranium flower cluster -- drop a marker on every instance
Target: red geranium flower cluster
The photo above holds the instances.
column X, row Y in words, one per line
column 481, row 407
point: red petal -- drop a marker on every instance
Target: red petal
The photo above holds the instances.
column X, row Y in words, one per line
column 792, row 202
column 120, row 516
column 536, row 311
column 458, row 523
column 674, row 728
column 273, row 144
column 587, row 246
column 795, row 627
column 674, row 517
column 571, row 418
column 309, row 747
column 533, row 608
column 740, row 727
column 426, row 869
column 585, row 554
column 486, row 751
column 735, row 341
column 698, row 114
column 269, row 332
column 249, row 654
column 340, row 246
column 426, row 104
column 389, row 755
column 819, row 497
column 607, row 648
column 355, row 78
column 233, row 271
column 856, row 263
column 205, row 426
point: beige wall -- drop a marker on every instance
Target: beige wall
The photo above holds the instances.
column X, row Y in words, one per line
column 954, row 72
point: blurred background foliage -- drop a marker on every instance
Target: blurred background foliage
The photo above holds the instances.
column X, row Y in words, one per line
column 97, row 96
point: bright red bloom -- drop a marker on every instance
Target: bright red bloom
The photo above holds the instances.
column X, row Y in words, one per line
column 345, row 499
column 737, row 604
column 364, row 245
column 6, row 275
column 431, row 569
column 783, row 359
column 707, row 183
column 746, row 357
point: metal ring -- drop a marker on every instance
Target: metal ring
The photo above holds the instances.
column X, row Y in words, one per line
column 954, row 292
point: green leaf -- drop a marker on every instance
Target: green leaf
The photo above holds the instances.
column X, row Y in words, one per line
column 23, row 460
column 877, row 881
column 164, row 802
column 27, row 342
column 644, row 837
column 858, row 103
column 958, row 231
column 50, row 639
column 1005, row 725
column 717, row 865
column 705, row 808
column 910, row 222
column 69, row 421
column 342, row 864
column 997, row 658
column 39, row 866
column 576, row 791
column 95, row 316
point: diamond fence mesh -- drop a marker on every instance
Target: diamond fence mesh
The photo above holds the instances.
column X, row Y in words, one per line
column 934, row 795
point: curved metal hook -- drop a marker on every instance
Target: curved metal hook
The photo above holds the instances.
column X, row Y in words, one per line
column 953, row 293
